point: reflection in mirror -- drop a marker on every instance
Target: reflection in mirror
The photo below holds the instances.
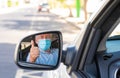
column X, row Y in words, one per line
column 40, row 49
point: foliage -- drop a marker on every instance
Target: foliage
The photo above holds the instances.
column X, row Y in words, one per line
column 61, row 1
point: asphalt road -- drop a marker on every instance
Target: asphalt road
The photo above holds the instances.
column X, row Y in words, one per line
column 15, row 25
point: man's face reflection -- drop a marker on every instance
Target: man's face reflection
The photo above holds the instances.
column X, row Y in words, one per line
column 43, row 41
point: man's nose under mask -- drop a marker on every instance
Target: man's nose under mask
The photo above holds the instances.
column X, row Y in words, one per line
column 44, row 44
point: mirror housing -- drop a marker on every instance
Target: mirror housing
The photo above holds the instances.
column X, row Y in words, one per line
column 26, row 50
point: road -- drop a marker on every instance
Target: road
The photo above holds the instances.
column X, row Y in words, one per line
column 15, row 25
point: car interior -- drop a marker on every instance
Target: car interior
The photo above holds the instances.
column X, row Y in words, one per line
column 106, row 62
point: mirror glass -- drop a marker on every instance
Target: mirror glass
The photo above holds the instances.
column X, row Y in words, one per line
column 40, row 49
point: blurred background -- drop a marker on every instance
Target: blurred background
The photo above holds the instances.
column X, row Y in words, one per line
column 19, row 18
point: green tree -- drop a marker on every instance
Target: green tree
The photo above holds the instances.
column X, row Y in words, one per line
column 61, row 1
column 9, row 3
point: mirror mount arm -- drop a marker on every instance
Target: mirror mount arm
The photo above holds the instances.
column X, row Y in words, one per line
column 68, row 55
column 64, row 53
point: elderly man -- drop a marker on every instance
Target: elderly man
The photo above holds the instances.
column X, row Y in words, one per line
column 42, row 54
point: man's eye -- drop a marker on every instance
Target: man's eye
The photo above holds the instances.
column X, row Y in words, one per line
column 42, row 37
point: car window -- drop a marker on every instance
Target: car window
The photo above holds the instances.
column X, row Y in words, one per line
column 113, row 42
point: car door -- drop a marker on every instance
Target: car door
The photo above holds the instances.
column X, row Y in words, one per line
column 90, row 47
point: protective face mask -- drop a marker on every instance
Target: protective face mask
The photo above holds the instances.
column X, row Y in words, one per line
column 44, row 44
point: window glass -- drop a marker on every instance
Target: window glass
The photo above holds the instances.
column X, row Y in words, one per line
column 113, row 42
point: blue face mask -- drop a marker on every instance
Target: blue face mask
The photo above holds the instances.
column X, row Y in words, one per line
column 44, row 44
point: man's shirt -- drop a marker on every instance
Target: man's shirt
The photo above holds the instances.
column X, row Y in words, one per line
column 47, row 58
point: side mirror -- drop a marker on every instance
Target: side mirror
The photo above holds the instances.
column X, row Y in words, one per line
column 41, row 51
